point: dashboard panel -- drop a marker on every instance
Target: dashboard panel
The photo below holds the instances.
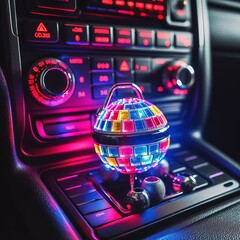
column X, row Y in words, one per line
column 63, row 59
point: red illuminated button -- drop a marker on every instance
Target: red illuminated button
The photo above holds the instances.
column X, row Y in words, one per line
column 164, row 39
column 102, row 36
column 142, row 65
column 76, row 34
column 144, row 38
column 107, row 2
column 183, row 40
column 124, row 37
column 124, row 67
column 102, row 64
column 42, row 31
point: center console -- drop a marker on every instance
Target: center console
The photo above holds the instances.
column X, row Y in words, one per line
column 70, row 55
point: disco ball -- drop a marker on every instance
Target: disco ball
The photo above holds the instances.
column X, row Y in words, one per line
column 131, row 134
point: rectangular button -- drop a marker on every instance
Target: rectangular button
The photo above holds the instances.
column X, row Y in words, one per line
column 144, row 38
column 124, row 37
column 79, row 189
column 76, row 34
column 102, row 64
column 42, row 31
column 192, row 160
column 208, row 170
column 176, row 167
column 103, row 217
column 100, row 92
column 220, row 177
column 71, row 181
column 124, row 68
column 183, row 40
column 164, row 39
column 94, row 206
column 85, row 198
column 201, row 182
column 67, row 127
column 142, row 65
column 102, row 36
column 102, row 78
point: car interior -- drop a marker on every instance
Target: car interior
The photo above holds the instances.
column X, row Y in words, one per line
column 119, row 119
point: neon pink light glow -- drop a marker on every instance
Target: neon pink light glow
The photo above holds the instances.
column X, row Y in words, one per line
column 139, row 5
column 123, row 40
column 67, row 177
column 180, row 91
column 126, row 12
column 74, row 187
column 160, row 89
column 130, row 4
column 101, row 31
column 120, row 2
column 146, row 42
column 149, row 6
column 125, row 151
column 124, row 32
column 102, row 39
column 142, row 88
column 109, row 2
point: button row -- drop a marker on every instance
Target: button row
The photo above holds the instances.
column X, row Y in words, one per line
column 203, row 168
column 89, row 202
column 80, row 34
column 105, row 71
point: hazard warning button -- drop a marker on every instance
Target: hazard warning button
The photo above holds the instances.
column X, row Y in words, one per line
column 124, row 69
column 41, row 31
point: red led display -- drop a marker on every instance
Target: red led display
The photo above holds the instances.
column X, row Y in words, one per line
column 102, row 36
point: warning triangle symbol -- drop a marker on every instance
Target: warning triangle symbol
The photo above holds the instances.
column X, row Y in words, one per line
column 41, row 28
column 124, row 67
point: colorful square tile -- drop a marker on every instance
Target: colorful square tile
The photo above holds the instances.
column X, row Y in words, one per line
column 123, row 162
column 113, row 152
column 149, row 123
column 146, row 160
column 135, row 161
column 134, row 114
column 125, row 151
column 154, row 148
column 128, row 126
column 112, row 161
column 116, row 126
column 148, row 112
column 140, row 151
column 140, row 125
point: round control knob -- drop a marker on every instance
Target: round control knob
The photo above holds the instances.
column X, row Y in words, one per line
column 51, row 82
column 178, row 75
